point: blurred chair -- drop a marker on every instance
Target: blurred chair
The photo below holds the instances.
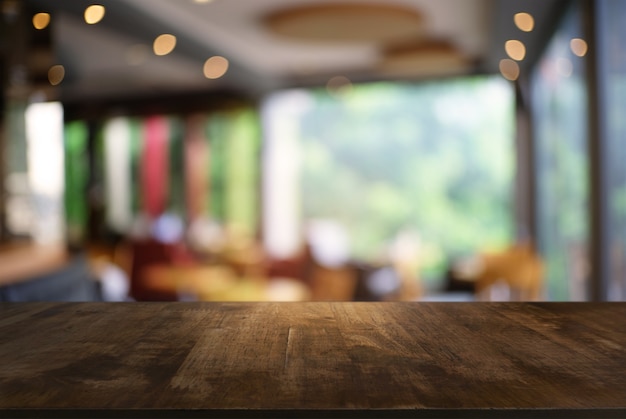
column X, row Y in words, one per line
column 333, row 284
column 517, row 273
column 141, row 255
column 114, row 279
column 206, row 283
column 71, row 282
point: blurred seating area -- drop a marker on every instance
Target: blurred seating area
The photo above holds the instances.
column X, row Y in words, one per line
column 149, row 270
column 513, row 274
column 32, row 272
column 239, row 271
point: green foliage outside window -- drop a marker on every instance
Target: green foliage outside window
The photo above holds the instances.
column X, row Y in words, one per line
column 76, row 175
column 435, row 159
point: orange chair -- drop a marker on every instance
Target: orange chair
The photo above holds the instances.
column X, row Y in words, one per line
column 519, row 269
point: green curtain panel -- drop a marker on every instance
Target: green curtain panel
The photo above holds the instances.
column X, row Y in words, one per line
column 217, row 133
column 242, row 169
column 76, row 178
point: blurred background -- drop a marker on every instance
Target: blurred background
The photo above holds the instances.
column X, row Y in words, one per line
column 270, row 150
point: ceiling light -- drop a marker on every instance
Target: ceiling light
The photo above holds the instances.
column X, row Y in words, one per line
column 56, row 74
column 423, row 58
column 347, row 22
column 524, row 21
column 41, row 20
column 215, row 67
column 94, row 14
column 164, row 44
column 202, row 1
column 578, row 46
column 509, row 69
column 515, row 49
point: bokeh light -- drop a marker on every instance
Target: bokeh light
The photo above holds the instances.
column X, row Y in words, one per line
column 94, row 14
column 515, row 49
column 41, row 20
column 164, row 44
column 524, row 21
column 215, row 67
column 509, row 69
column 56, row 74
column 579, row 47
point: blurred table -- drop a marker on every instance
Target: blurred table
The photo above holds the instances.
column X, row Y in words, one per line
column 22, row 262
column 219, row 283
column 435, row 360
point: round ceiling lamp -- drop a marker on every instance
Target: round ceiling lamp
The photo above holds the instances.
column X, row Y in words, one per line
column 350, row 22
column 423, row 58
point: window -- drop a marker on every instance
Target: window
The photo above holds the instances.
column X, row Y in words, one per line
column 426, row 167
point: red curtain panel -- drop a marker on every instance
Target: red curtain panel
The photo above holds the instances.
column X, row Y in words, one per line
column 155, row 166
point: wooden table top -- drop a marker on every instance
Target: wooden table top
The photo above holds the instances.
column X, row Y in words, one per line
column 308, row 359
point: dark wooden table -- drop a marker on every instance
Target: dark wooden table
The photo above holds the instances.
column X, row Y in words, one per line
column 439, row 360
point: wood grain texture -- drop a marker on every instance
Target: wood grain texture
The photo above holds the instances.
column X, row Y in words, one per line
column 343, row 357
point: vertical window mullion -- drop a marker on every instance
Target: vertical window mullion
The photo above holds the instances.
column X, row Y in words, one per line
column 600, row 234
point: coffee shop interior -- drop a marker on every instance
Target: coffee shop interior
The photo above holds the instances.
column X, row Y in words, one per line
column 270, row 150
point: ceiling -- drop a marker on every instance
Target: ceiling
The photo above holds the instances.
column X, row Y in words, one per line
column 114, row 57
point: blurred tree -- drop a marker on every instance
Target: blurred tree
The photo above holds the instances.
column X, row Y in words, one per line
column 434, row 158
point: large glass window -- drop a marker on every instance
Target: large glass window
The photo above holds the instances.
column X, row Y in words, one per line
column 419, row 168
column 559, row 103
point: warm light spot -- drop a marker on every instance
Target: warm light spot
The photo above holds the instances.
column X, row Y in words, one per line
column 94, row 14
column 509, row 69
column 41, row 20
column 137, row 54
column 524, row 21
column 564, row 67
column 339, row 85
column 56, row 74
column 215, row 67
column 515, row 49
column 578, row 46
column 202, row 1
column 164, row 44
